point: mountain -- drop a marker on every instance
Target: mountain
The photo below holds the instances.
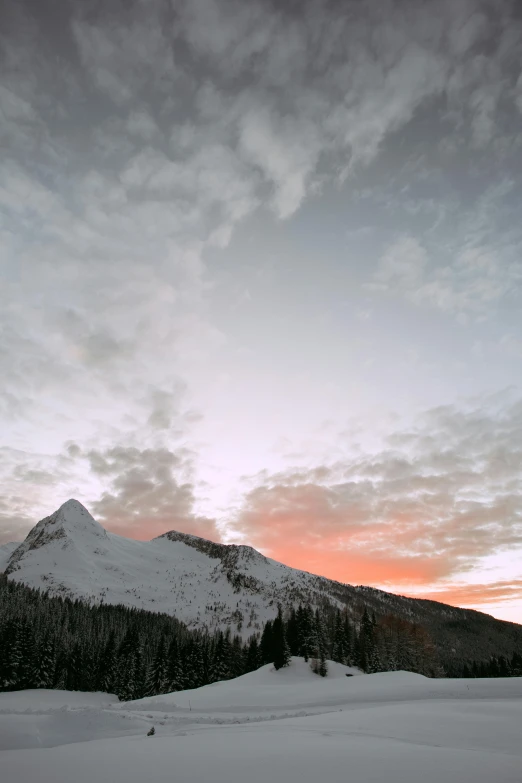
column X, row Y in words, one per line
column 202, row 583
column 6, row 550
column 209, row 585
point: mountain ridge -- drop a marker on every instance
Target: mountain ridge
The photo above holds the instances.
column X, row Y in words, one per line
column 209, row 585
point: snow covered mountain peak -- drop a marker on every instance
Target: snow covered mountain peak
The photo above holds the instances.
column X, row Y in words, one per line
column 70, row 527
column 74, row 517
column 71, row 519
column 203, row 583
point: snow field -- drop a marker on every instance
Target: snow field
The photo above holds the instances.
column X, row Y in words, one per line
column 289, row 726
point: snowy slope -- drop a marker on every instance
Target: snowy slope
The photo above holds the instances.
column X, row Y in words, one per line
column 6, row 550
column 266, row 689
column 202, row 583
column 287, row 726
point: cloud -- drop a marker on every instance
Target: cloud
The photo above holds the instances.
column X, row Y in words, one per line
column 149, row 492
column 403, row 264
column 469, row 284
column 141, row 124
column 147, row 138
column 502, row 591
column 287, row 151
column 123, row 60
column 165, row 405
column 140, row 490
column 442, row 496
column 135, row 145
column 27, row 480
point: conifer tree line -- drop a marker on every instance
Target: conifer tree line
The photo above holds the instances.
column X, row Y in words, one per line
column 371, row 644
column 52, row 642
column 497, row 666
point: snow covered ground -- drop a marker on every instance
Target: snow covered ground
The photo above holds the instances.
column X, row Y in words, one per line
column 289, row 726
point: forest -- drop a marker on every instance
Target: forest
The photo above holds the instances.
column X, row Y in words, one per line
column 54, row 642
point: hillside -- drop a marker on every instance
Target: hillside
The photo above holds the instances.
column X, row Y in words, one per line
column 6, row 550
column 210, row 586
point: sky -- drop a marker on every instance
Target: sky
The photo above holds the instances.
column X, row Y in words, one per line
column 261, row 280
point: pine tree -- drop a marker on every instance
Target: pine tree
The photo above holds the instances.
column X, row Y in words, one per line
column 307, row 634
column 44, row 664
column 292, row 632
column 323, row 667
column 367, row 643
column 13, row 656
column 157, row 674
column 75, row 669
column 198, row 665
column 220, row 669
column 281, row 650
column 174, row 668
column 267, row 647
column 516, row 665
column 338, row 646
column 236, row 667
column 253, row 658
column 105, row 676
column 27, row 656
column 348, row 640
column 130, row 678
column 320, row 646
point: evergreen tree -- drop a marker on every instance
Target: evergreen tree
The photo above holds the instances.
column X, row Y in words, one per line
column 174, row 668
column 237, row 664
column 307, row 634
column 323, row 667
column 348, row 641
column 105, row 676
column 12, row 666
column 267, row 646
column 198, row 664
column 281, row 651
column 292, row 632
column 253, row 659
column 157, row 675
column 27, row 655
column 220, row 667
column 130, row 678
column 44, row 664
column 75, row 669
column 319, row 665
column 516, row 665
column 339, row 646
column 367, row 653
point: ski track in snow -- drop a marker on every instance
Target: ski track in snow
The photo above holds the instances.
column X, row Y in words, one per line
column 287, row 726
